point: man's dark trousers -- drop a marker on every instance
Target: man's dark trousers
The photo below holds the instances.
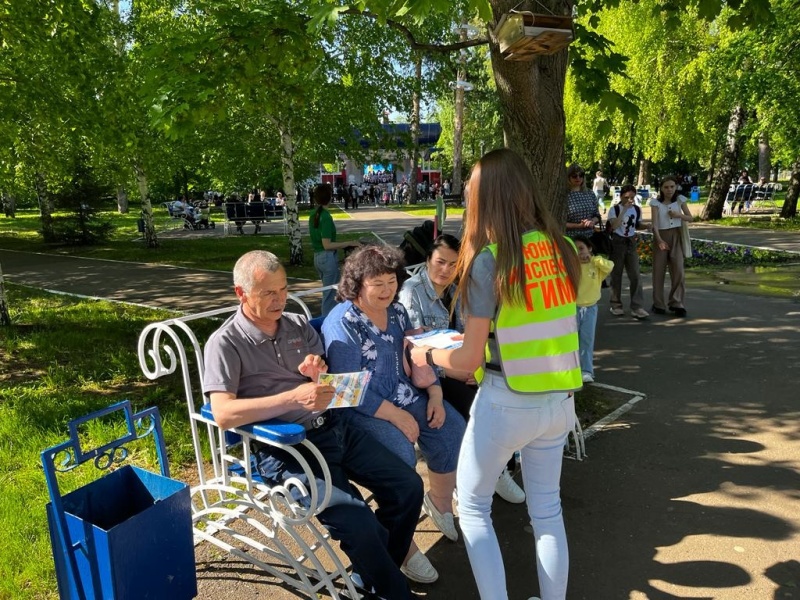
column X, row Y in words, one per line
column 376, row 543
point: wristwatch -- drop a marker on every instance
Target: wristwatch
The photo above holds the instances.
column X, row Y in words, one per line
column 429, row 357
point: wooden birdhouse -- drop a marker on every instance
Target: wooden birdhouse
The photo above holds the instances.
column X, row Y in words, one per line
column 522, row 34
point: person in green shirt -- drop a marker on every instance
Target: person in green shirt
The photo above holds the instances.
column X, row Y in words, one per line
column 323, row 241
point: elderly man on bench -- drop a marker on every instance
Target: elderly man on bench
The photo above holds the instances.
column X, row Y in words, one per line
column 263, row 364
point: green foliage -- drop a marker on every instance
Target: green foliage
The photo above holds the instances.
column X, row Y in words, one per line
column 79, row 197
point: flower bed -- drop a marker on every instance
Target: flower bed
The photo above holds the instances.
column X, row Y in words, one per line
column 706, row 253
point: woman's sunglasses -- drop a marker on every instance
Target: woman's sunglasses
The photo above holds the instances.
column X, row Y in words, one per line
column 577, row 175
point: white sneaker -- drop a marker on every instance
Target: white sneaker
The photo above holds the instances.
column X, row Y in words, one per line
column 616, row 311
column 640, row 313
column 419, row 569
column 508, row 489
column 587, row 377
column 444, row 521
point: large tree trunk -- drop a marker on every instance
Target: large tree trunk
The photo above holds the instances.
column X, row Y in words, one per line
column 287, row 170
column 764, row 156
column 5, row 318
column 458, row 123
column 415, row 116
column 531, row 98
column 45, row 207
column 122, row 200
column 150, row 237
column 644, row 172
column 728, row 165
column 713, row 166
column 789, row 209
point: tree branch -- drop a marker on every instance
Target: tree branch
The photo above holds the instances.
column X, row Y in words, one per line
column 415, row 45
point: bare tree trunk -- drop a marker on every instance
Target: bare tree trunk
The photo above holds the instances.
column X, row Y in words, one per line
column 287, row 170
column 727, row 167
column 644, row 172
column 789, row 209
column 122, row 200
column 458, row 123
column 415, row 116
column 150, row 237
column 5, row 318
column 45, row 207
column 531, row 98
column 764, row 156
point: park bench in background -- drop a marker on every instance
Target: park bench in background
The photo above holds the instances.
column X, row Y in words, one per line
column 453, row 199
column 239, row 213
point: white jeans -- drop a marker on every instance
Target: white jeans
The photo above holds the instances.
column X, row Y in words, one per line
column 501, row 422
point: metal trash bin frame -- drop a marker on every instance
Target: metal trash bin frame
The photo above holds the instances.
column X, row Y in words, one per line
column 87, row 537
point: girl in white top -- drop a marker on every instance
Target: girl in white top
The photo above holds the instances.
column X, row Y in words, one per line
column 668, row 212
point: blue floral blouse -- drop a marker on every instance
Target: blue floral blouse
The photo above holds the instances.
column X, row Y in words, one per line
column 353, row 343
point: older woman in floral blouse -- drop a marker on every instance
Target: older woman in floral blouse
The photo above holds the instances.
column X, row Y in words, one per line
column 365, row 331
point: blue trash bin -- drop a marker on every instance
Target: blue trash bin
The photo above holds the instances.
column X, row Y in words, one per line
column 694, row 194
column 127, row 535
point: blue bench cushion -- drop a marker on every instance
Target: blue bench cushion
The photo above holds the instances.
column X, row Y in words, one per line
column 274, row 430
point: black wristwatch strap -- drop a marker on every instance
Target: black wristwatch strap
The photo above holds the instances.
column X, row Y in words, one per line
column 429, row 357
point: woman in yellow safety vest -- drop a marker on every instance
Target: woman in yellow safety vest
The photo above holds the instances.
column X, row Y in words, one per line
column 517, row 281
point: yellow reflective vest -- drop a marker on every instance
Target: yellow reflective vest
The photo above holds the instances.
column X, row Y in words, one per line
column 538, row 340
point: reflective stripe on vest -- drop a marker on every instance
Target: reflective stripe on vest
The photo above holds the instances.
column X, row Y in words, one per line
column 538, row 340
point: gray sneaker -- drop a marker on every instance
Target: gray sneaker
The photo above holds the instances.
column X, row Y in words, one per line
column 616, row 311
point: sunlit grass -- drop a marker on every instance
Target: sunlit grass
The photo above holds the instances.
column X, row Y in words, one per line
column 212, row 252
column 426, row 209
column 774, row 223
column 62, row 359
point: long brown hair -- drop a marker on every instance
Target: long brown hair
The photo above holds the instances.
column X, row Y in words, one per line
column 322, row 197
column 502, row 205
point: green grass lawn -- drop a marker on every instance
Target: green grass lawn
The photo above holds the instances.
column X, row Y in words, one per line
column 215, row 253
column 64, row 358
column 426, row 209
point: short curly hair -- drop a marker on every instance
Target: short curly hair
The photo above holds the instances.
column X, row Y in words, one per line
column 367, row 262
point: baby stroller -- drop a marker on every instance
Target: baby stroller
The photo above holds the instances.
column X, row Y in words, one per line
column 200, row 221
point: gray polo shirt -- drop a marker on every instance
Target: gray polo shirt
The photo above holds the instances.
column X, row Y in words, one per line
column 243, row 360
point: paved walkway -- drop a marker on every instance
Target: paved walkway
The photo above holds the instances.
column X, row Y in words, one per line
column 692, row 494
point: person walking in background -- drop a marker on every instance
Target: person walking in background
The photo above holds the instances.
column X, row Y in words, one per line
column 624, row 220
column 507, row 284
column 323, row 241
column 582, row 213
column 600, row 188
column 593, row 270
column 668, row 212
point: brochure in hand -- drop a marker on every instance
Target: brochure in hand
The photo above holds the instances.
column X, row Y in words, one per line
column 350, row 387
column 444, row 339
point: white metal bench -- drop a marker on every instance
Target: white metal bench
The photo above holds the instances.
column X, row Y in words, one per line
column 232, row 507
